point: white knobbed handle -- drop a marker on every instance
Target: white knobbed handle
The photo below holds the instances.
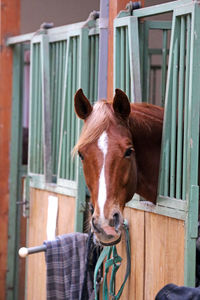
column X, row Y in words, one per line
column 23, row 252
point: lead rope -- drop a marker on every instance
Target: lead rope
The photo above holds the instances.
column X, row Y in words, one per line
column 112, row 259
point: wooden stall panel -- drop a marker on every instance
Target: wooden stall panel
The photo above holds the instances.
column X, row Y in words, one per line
column 36, row 272
column 134, row 286
column 164, row 253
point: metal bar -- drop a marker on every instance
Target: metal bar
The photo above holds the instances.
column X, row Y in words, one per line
column 166, row 177
column 127, row 65
column 59, row 101
column 57, row 33
column 173, row 119
column 166, row 133
column 103, row 49
column 155, row 51
column 186, row 96
column 72, row 133
column 55, row 101
column 134, row 52
column 83, row 82
column 164, row 65
column 39, row 121
column 145, row 61
column 116, row 58
column 30, row 111
column 15, row 164
column 52, row 97
column 122, row 59
column 180, row 109
column 160, row 25
column 68, row 112
column 24, row 252
column 62, row 144
column 92, row 59
column 46, row 107
column 192, row 196
column 148, row 78
column 159, row 9
column 96, row 67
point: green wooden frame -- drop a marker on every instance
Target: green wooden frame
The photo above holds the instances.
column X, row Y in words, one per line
column 17, row 171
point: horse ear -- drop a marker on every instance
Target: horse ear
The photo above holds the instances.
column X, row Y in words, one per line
column 121, row 104
column 82, row 106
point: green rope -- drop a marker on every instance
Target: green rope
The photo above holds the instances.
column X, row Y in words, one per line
column 112, row 259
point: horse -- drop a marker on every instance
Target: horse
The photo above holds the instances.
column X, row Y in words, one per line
column 119, row 147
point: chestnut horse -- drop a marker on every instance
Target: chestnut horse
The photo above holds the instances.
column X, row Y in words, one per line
column 120, row 151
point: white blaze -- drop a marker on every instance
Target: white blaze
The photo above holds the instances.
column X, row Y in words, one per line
column 103, row 146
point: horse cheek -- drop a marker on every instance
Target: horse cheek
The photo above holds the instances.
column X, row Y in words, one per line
column 130, row 180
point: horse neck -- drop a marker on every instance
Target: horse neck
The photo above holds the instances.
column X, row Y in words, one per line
column 147, row 133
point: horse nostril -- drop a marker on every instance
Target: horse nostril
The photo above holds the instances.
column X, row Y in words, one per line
column 96, row 227
column 116, row 219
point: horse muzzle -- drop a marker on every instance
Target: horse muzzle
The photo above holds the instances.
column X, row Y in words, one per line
column 107, row 232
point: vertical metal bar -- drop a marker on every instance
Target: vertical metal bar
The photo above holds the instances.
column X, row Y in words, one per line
column 37, row 110
column 46, row 107
column 166, row 133
column 52, row 102
column 186, row 96
column 166, row 181
column 145, row 61
column 148, row 78
column 134, row 52
column 180, row 108
column 59, row 102
column 83, row 81
column 15, row 179
column 72, row 133
column 92, row 66
column 39, row 118
column 173, row 120
column 32, row 120
column 164, row 65
column 63, row 63
column 127, row 66
column 103, row 49
column 96, row 67
column 192, row 195
column 62, row 144
column 122, row 59
column 116, row 58
column 68, row 112
column 36, row 99
column 56, row 98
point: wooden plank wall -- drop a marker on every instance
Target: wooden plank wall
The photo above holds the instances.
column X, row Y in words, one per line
column 157, row 254
column 36, row 267
column 9, row 25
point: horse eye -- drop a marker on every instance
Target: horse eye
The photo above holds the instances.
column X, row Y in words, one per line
column 80, row 155
column 128, row 152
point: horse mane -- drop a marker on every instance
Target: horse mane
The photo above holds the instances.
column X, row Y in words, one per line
column 147, row 114
column 98, row 121
column 146, row 120
column 142, row 116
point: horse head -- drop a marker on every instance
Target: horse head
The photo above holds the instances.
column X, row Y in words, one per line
column 109, row 164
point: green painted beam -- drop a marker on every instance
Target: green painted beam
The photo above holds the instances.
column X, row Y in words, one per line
column 12, row 279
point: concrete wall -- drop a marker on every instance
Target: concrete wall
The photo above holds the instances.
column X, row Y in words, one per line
column 60, row 12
